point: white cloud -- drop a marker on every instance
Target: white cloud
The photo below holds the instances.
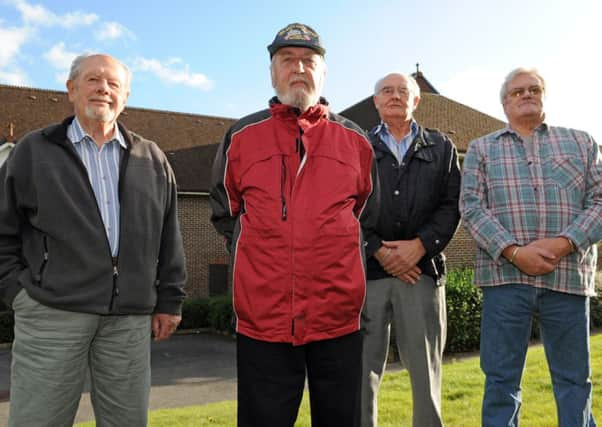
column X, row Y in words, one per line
column 61, row 77
column 38, row 15
column 59, row 57
column 15, row 77
column 11, row 40
column 113, row 30
column 167, row 73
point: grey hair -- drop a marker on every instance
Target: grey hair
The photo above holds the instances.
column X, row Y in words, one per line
column 516, row 72
column 76, row 66
column 412, row 84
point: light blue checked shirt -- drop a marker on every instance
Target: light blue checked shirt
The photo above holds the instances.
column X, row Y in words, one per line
column 513, row 194
column 103, row 171
column 398, row 149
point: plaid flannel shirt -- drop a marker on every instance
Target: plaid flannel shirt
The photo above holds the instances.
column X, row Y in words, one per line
column 510, row 197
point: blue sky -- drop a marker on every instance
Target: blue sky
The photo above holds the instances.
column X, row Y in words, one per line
column 208, row 58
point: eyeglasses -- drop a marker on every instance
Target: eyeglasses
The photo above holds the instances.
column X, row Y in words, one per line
column 520, row 91
column 390, row 91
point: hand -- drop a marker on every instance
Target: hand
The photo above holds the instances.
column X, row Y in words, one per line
column 411, row 276
column 532, row 259
column 559, row 246
column 404, row 255
column 164, row 325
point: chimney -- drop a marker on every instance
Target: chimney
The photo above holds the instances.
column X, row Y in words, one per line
column 418, row 73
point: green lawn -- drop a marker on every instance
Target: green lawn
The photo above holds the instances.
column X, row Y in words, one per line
column 462, row 393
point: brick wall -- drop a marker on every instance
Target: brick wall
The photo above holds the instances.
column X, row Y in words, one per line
column 202, row 244
column 460, row 251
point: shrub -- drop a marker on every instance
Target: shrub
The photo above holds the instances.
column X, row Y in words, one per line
column 195, row 313
column 221, row 315
column 595, row 304
column 463, row 311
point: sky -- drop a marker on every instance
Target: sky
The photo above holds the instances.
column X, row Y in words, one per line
column 210, row 57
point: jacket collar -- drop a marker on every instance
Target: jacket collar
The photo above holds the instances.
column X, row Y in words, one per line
column 57, row 133
column 288, row 113
column 419, row 147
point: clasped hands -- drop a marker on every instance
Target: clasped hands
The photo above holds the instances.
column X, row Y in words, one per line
column 540, row 256
column 400, row 258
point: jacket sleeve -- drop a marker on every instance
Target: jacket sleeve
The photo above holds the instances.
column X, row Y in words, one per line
column 436, row 233
column 11, row 220
column 369, row 216
column 224, row 207
column 586, row 229
column 171, row 267
column 481, row 224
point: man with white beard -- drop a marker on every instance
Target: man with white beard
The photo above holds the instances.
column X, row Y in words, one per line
column 293, row 187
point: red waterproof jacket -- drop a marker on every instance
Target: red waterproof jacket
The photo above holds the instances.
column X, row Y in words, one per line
column 288, row 194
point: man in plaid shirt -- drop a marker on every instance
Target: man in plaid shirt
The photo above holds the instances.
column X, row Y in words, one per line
column 532, row 199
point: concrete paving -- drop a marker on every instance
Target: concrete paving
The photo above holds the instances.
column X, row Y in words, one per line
column 190, row 369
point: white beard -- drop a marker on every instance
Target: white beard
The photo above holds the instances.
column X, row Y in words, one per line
column 105, row 115
column 299, row 98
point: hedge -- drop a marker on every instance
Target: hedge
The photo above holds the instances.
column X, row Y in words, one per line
column 463, row 301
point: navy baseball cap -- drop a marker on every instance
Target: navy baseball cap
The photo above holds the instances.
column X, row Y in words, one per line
column 297, row 35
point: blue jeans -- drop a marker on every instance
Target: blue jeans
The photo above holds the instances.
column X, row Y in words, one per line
column 505, row 329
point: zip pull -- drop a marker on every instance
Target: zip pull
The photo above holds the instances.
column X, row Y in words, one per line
column 283, row 209
column 115, row 270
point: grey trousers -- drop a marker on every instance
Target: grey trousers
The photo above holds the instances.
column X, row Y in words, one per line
column 51, row 353
column 418, row 315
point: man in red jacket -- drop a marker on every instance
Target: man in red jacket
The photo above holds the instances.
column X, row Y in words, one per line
column 293, row 188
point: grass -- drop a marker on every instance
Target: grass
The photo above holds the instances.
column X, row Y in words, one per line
column 462, row 394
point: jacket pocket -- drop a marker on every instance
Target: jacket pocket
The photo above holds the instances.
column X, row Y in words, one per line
column 45, row 256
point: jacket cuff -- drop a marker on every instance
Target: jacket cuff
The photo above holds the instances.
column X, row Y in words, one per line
column 171, row 304
column 432, row 244
column 371, row 245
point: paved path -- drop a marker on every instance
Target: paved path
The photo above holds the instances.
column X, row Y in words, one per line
column 191, row 369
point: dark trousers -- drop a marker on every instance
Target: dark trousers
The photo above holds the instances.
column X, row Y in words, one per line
column 271, row 378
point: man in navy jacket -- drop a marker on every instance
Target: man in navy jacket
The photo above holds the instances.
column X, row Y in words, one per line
column 420, row 184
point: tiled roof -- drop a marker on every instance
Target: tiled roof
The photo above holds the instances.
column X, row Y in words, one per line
column 460, row 122
column 30, row 108
column 423, row 83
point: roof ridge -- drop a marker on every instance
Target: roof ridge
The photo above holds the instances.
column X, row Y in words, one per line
column 128, row 107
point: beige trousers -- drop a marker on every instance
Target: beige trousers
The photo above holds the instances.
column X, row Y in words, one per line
column 51, row 354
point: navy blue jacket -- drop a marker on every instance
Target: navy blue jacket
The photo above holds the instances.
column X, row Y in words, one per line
column 419, row 198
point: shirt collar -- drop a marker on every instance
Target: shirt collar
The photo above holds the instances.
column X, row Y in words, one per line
column 508, row 130
column 76, row 134
column 383, row 129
